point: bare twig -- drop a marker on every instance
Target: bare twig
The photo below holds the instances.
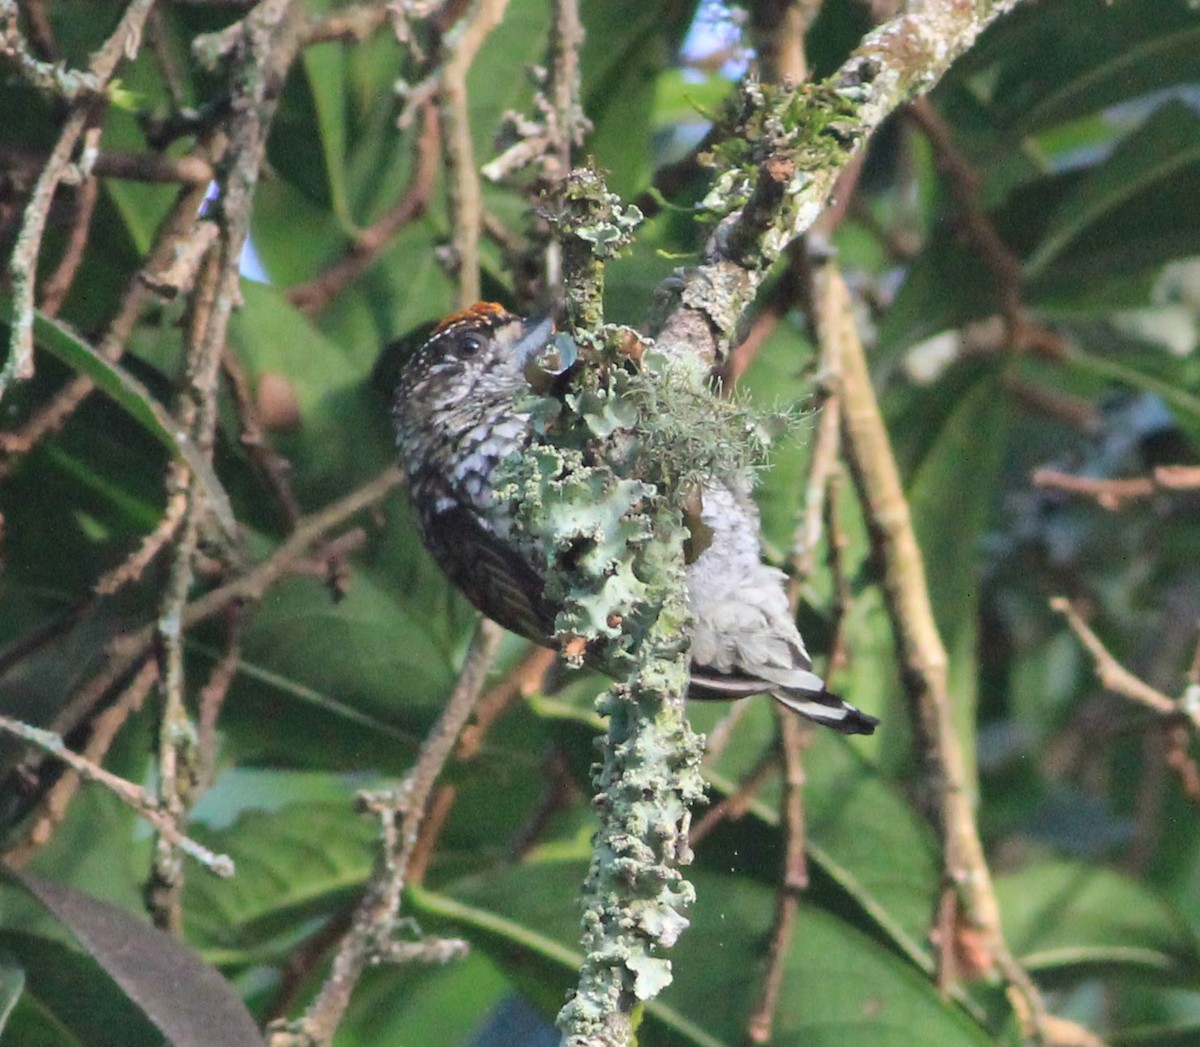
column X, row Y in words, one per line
column 133, row 795
column 461, row 44
column 264, row 45
column 793, row 738
column 372, row 931
column 123, row 42
column 733, row 806
column 352, row 24
column 133, row 566
column 56, row 286
column 963, row 184
column 1112, row 673
column 212, row 697
column 922, row 657
column 52, row 416
column 1112, row 494
column 102, row 732
column 827, row 307
column 314, row 295
column 133, row 167
column 274, row 467
column 128, row 650
column 523, row 679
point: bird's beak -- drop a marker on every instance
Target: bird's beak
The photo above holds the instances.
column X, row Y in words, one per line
column 535, row 333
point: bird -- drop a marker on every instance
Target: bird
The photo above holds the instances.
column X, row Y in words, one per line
column 460, row 407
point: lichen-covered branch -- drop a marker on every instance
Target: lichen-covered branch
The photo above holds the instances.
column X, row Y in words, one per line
column 781, row 152
column 127, row 792
column 601, row 501
column 80, row 88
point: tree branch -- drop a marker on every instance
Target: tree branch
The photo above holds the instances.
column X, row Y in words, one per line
column 371, row 937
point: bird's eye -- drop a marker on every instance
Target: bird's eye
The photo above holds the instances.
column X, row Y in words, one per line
column 469, row 344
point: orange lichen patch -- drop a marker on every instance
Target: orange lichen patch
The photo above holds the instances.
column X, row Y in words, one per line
column 490, row 313
column 631, row 346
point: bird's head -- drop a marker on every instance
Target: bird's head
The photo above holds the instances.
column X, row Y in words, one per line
column 480, row 354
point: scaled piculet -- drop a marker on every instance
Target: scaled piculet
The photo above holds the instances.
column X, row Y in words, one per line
column 458, row 413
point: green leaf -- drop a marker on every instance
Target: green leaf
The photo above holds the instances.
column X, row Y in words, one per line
column 1178, row 1035
column 1149, row 164
column 302, row 862
column 855, row 824
column 187, row 1001
column 1184, row 403
column 436, row 1006
column 68, row 1000
column 839, row 987
column 1067, row 922
column 12, row 984
column 1089, row 57
column 132, row 397
column 324, row 69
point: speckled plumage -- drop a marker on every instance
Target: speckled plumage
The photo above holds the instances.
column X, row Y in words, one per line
column 456, row 418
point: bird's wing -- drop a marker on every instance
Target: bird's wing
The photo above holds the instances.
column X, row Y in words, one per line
column 744, row 640
column 491, row 574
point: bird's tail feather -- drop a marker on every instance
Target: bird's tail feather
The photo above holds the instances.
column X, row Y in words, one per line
column 827, row 709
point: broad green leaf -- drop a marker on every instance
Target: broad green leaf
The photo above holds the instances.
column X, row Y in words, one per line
column 623, row 54
column 1184, row 403
column 152, row 968
column 12, row 984
column 68, row 1000
column 839, row 986
column 134, row 399
column 855, row 826
column 1177, row 1035
column 304, row 862
column 1151, row 162
column 952, row 495
column 444, row 1005
column 1089, row 57
column 324, row 69
column 1069, row 921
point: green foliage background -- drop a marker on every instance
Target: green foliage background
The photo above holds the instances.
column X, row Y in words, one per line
column 1081, row 121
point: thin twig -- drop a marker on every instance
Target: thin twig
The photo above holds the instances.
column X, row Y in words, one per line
column 733, row 806
column 793, row 738
column 461, row 44
column 212, row 697
column 133, row 167
column 315, row 294
column 525, row 678
column 1112, row 494
column 128, row 650
column 127, row 792
column 124, row 42
column 921, row 655
column 51, row 417
column 273, row 466
column 103, row 731
column 1112, row 673
column 58, row 283
column 130, row 570
column 401, row 811
column 963, row 184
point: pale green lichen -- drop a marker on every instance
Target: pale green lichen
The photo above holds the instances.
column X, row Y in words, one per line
column 598, row 504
